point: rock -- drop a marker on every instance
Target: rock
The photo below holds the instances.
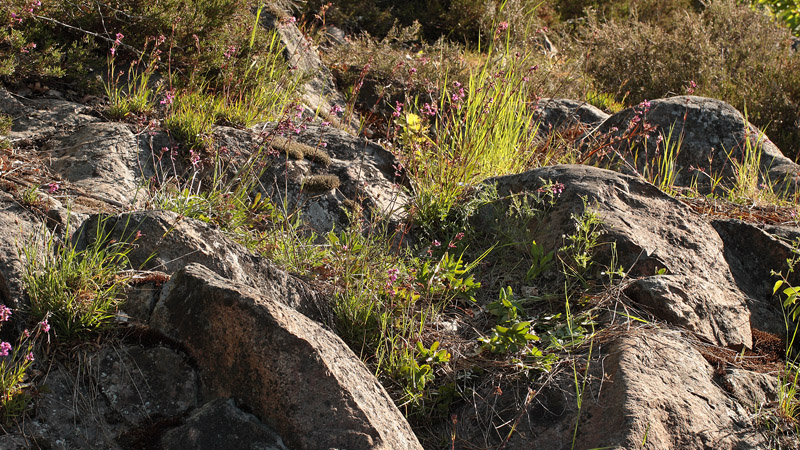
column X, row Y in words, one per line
column 72, row 413
column 557, row 114
column 319, row 91
column 650, row 231
column 168, row 242
column 107, row 395
column 364, row 170
column 661, row 394
column 19, row 228
column 145, row 384
column 648, row 388
column 42, row 118
column 295, row 376
column 714, row 134
column 220, row 425
column 752, row 253
column 103, row 159
column 684, row 301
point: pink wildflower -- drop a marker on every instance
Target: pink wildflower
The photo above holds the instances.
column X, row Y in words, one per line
column 5, row 313
column 5, row 347
column 45, row 326
column 29, row 357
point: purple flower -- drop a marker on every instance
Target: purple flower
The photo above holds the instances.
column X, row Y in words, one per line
column 169, row 96
column 5, row 347
column 5, row 313
column 436, row 243
column 336, row 109
column 430, row 109
column 29, row 357
column 45, row 326
column 52, row 187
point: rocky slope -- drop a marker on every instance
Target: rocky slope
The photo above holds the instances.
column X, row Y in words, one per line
column 220, row 348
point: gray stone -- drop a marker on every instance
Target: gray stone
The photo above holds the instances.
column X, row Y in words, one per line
column 144, row 384
column 220, row 425
column 650, row 231
column 103, row 159
column 295, row 376
column 556, row 114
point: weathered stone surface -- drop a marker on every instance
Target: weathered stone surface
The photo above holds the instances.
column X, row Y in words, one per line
column 145, row 384
column 103, row 159
column 220, row 425
column 685, row 301
column 19, row 228
column 714, row 134
column 646, row 382
column 365, row 171
column 365, row 168
column 72, row 412
column 662, row 388
column 168, row 242
column 556, row 114
column 752, row 253
column 41, row 118
column 651, row 231
column 297, row 377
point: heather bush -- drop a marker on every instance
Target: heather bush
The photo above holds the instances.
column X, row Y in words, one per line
column 732, row 53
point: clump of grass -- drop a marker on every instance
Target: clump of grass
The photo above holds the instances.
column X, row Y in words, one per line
column 482, row 129
column 5, row 123
column 191, row 118
column 78, row 291
column 136, row 95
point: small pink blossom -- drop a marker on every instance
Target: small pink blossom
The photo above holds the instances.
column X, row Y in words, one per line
column 436, row 243
column 53, row 187
column 5, row 347
column 45, row 326
column 430, row 109
column 5, row 313
column 29, row 357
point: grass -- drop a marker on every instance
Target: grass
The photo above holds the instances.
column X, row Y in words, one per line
column 77, row 291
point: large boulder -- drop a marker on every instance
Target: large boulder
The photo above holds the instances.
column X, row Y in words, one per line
column 715, row 138
column 323, row 172
column 111, row 397
column 20, row 229
column 39, row 119
column 294, row 375
column 678, row 255
column 646, row 388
